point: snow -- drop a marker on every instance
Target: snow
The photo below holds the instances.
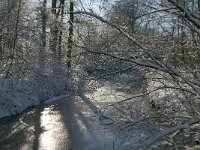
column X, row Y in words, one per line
column 4, row 113
column 55, row 99
column 107, row 93
column 13, row 102
column 16, row 95
column 159, row 94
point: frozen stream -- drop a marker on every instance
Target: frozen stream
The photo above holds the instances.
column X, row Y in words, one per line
column 70, row 123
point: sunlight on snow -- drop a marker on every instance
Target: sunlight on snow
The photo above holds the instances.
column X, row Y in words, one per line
column 108, row 93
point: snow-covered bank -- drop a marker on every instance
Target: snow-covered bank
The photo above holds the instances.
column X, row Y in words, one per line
column 13, row 103
column 55, row 99
column 16, row 95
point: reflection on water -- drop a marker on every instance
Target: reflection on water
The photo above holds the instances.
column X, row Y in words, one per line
column 54, row 134
column 41, row 128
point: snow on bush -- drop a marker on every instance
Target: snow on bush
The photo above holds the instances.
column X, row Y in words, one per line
column 167, row 95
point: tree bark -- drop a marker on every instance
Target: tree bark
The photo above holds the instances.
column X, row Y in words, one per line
column 54, row 36
column 70, row 38
column 199, row 7
column 43, row 38
column 62, row 3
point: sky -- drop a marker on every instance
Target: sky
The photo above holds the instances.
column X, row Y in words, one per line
column 95, row 6
column 88, row 5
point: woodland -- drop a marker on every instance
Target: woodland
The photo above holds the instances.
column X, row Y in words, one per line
column 149, row 48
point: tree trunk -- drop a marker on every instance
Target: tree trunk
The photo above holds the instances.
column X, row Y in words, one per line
column 43, row 38
column 62, row 3
column 70, row 38
column 54, row 36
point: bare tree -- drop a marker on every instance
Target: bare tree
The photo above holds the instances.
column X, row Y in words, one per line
column 54, row 35
column 43, row 38
column 70, row 38
column 62, row 6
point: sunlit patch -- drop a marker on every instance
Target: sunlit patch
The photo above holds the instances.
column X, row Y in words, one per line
column 108, row 93
column 80, row 123
column 55, row 135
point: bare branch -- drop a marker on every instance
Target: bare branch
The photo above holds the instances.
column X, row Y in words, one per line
column 187, row 14
column 168, row 131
